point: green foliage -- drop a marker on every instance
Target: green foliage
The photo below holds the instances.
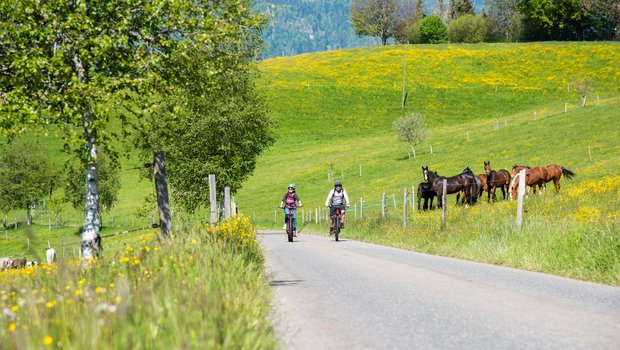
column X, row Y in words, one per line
column 215, row 123
column 431, row 30
column 460, row 8
column 411, row 129
column 109, row 183
column 27, row 175
column 376, row 18
column 556, row 20
column 467, row 29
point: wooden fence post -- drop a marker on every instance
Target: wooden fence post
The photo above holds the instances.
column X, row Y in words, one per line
column 521, row 193
column 443, row 202
column 383, row 205
column 227, row 202
column 161, row 187
column 212, row 200
column 361, row 208
column 405, row 208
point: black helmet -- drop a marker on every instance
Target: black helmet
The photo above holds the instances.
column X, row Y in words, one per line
column 337, row 183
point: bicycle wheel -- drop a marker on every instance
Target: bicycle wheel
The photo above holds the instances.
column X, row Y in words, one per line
column 289, row 227
column 337, row 227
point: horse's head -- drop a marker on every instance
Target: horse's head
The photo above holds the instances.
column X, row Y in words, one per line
column 487, row 167
column 425, row 173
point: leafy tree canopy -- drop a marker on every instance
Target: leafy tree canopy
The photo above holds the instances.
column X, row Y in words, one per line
column 27, row 175
column 375, row 18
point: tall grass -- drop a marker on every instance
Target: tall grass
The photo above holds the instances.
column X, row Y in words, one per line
column 201, row 289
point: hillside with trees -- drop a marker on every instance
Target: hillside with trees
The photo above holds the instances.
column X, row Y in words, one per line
column 299, row 26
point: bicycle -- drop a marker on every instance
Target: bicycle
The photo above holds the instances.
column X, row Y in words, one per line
column 337, row 222
column 290, row 225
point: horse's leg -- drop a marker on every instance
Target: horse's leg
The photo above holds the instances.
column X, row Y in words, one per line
column 556, row 182
column 504, row 191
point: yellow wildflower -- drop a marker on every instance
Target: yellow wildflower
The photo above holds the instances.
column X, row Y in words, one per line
column 48, row 340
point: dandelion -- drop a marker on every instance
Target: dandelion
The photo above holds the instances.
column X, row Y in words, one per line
column 124, row 260
column 12, row 326
column 15, row 308
column 118, row 299
column 136, row 261
column 50, row 304
column 78, row 292
column 48, row 340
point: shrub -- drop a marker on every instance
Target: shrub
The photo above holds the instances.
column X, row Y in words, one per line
column 467, row 29
column 430, row 30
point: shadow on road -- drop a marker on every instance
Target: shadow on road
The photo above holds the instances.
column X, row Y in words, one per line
column 279, row 283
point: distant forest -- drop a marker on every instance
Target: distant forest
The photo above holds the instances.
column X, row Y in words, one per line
column 299, row 26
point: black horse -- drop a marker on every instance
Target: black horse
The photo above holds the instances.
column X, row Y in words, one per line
column 465, row 181
column 425, row 190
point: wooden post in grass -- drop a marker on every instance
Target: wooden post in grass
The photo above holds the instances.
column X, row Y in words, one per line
column 161, row 189
column 212, row 200
column 405, row 208
column 227, row 202
column 565, row 107
column 590, row 152
column 383, row 205
column 360, row 169
column 520, row 194
column 361, row 208
column 443, row 202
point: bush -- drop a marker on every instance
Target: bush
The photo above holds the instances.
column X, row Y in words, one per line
column 430, row 30
column 467, row 29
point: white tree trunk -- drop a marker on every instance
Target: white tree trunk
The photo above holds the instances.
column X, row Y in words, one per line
column 91, row 241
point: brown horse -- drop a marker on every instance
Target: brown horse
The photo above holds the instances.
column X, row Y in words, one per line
column 533, row 177
column 555, row 172
column 495, row 179
column 464, row 181
column 481, row 180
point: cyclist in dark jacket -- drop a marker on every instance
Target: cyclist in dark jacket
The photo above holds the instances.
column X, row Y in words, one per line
column 289, row 203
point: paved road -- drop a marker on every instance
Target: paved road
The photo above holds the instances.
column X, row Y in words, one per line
column 353, row 295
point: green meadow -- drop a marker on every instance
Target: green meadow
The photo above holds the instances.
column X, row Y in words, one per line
column 504, row 103
column 206, row 287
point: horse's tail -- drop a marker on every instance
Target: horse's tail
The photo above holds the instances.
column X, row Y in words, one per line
column 567, row 173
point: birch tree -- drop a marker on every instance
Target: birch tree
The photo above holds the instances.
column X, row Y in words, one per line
column 70, row 63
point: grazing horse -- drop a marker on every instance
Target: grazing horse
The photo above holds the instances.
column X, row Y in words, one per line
column 481, row 181
column 495, row 179
column 533, row 176
column 463, row 181
column 425, row 190
column 555, row 172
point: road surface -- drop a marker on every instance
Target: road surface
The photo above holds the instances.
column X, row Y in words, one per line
column 353, row 295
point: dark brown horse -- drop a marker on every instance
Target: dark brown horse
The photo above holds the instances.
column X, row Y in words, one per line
column 464, row 181
column 495, row 179
column 533, row 177
column 555, row 172
column 426, row 192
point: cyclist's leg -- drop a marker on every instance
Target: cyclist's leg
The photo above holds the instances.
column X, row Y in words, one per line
column 294, row 213
column 286, row 214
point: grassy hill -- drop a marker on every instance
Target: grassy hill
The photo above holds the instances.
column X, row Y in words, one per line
column 335, row 111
